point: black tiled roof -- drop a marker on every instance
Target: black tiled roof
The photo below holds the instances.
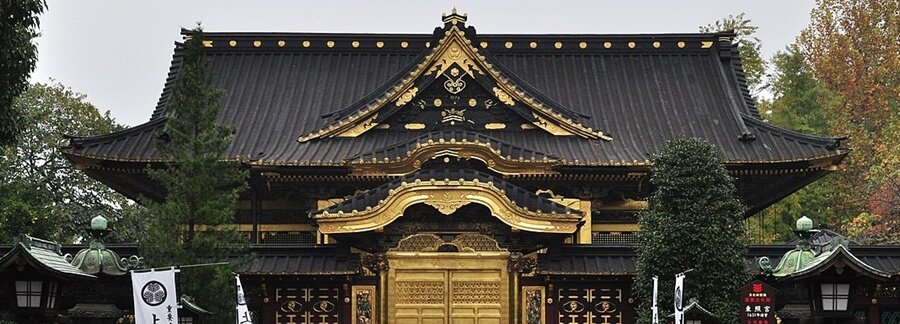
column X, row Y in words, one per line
column 268, row 259
column 640, row 96
column 607, row 260
column 294, row 260
column 522, row 198
column 588, row 260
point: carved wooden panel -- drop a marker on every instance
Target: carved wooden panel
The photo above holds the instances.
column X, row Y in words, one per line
column 589, row 305
column 420, row 292
column 533, row 307
column 303, row 305
column 363, row 304
column 476, row 296
column 476, row 292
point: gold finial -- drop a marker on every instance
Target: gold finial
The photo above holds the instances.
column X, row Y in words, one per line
column 454, row 18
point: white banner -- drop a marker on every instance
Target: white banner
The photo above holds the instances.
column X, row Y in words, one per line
column 155, row 299
column 679, row 298
column 243, row 314
column 654, row 309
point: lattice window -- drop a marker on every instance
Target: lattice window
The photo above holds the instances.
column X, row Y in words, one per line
column 617, row 239
column 890, row 316
column 288, row 238
column 835, row 296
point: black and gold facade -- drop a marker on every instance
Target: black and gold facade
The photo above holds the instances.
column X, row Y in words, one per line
column 455, row 177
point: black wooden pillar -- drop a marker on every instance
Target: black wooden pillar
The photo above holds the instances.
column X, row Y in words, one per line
column 254, row 216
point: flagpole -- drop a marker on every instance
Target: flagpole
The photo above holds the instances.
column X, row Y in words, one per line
column 679, row 296
column 183, row 266
column 654, row 309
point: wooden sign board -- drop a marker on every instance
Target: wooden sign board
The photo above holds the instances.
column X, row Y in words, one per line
column 758, row 303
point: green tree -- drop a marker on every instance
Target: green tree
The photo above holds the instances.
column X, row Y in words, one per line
column 39, row 185
column 194, row 224
column 749, row 47
column 18, row 54
column 798, row 100
column 694, row 221
column 852, row 49
column 799, row 103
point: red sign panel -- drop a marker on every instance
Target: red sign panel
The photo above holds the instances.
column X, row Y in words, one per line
column 758, row 303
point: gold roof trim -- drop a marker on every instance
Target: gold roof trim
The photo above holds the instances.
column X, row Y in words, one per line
column 447, row 196
column 464, row 148
column 454, row 47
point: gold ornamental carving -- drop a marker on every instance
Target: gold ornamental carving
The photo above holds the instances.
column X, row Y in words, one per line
column 455, row 50
column 476, row 292
column 361, row 127
column 465, row 242
column 446, row 205
column 433, row 191
column 503, row 97
column 477, row 242
column 420, row 292
column 407, row 96
column 454, row 54
column 425, row 242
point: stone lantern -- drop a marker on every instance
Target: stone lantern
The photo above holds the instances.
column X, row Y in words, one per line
column 97, row 300
column 34, row 273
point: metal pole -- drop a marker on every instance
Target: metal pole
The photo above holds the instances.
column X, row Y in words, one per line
column 183, row 266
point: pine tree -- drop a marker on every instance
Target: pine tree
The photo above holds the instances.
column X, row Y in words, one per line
column 194, row 224
column 694, row 221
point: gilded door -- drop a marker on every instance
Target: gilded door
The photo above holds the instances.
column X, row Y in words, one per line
column 448, row 288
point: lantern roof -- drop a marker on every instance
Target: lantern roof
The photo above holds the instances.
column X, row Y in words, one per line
column 41, row 255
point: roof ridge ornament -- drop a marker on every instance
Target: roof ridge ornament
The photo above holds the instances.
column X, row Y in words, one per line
column 454, row 18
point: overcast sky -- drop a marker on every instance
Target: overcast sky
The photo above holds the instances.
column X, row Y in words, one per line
column 117, row 52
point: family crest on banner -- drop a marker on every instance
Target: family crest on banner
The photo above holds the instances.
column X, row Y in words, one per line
column 679, row 298
column 243, row 314
column 155, row 297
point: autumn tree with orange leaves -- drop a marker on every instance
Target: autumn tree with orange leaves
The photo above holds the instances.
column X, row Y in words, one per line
column 853, row 48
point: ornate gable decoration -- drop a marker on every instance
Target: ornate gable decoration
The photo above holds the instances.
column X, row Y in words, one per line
column 447, row 196
column 468, row 85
